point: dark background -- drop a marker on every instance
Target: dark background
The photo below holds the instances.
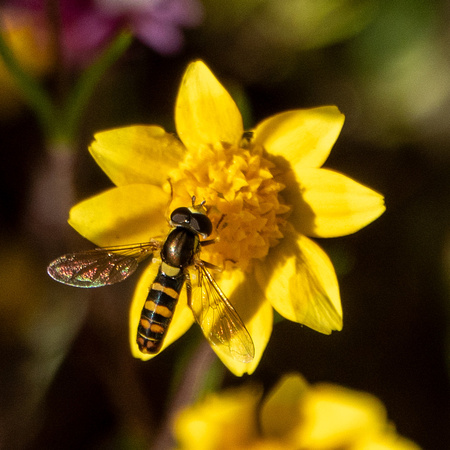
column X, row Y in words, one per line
column 67, row 378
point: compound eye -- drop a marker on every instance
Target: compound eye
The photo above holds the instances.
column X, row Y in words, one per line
column 181, row 216
column 201, row 224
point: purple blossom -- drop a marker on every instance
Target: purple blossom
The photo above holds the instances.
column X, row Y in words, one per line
column 88, row 25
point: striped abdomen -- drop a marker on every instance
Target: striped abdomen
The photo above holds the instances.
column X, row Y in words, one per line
column 158, row 311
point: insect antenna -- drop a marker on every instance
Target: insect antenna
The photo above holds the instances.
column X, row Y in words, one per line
column 200, row 206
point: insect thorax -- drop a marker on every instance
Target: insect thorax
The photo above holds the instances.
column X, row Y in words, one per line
column 180, row 248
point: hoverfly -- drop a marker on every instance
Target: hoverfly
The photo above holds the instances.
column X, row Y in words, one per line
column 180, row 252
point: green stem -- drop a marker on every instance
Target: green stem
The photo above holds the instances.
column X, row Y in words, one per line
column 33, row 93
column 201, row 372
column 82, row 92
column 60, row 125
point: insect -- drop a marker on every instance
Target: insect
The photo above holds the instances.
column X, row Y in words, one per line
column 179, row 253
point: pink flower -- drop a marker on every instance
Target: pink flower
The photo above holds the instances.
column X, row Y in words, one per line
column 88, row 25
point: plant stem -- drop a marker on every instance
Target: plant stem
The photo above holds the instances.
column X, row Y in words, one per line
column 33, row 93
column 82, row 92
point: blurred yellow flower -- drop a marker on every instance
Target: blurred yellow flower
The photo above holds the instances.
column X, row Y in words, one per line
column 264, row 191
column 293, row 416
column 26, row 37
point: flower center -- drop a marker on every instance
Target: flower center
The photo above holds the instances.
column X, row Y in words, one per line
column 242, row 199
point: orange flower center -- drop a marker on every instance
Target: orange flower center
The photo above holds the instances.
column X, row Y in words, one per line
column 242, row 199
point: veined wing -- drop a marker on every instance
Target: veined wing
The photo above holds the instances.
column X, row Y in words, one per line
column 100, row 266
column 218, row 320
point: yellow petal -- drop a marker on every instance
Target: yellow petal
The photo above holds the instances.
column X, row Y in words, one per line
column 280, row 413
column 302, row 136
column 123, row 215
column 221, row 421
column 388, row 440
column 205, row 113
column 256, row 313
column 182, row 317
column 300, row 282
column 329, row 204
column 137, row 154
column 336, row 417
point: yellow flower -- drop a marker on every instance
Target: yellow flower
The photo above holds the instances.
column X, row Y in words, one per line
column 264, row 192
column 293, row 416
column 31, row 46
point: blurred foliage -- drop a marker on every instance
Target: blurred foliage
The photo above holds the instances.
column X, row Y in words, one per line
column 267, row 39
column 32, row 48
column 67, row 377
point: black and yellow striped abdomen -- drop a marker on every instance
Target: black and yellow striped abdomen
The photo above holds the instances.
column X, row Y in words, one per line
column 158, row 311
column 177, row 254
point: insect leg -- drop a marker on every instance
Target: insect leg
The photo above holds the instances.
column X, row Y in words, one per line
column 170, row 200
column 188, row 289
column 209, row 265
column 208, row 242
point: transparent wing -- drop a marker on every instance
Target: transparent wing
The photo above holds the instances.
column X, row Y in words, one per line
column 218, row 320
column 100, row 266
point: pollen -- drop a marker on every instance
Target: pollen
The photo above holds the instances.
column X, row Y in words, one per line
column 242, row 198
